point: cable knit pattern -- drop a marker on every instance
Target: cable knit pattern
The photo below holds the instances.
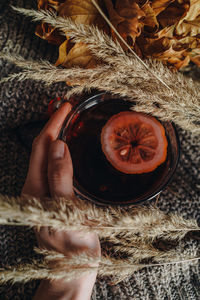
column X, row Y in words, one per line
column 22, row 106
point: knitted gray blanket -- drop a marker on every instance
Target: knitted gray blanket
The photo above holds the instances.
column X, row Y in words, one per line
column 22, row 111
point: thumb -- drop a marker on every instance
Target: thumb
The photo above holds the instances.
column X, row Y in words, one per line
column 60, row 170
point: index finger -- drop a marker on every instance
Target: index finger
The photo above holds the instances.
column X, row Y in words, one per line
column 37, row 172
column 53, row 126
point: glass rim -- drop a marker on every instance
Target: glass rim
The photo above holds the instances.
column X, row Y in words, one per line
column 82, row 193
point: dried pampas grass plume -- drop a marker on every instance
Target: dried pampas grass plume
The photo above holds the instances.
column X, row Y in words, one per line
column 82, row 33
column 24, row 273
column 56, row 266
column 47, row 73
column 73, row 214
column 122, row 75
column 128, row 238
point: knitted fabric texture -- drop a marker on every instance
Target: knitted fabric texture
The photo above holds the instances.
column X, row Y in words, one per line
column 22, row 113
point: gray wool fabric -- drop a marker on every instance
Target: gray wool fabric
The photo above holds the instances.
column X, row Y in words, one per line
column 22, row 112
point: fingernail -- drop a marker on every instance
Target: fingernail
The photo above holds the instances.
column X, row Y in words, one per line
column 58, row 150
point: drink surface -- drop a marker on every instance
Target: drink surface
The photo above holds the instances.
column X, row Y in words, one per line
column 92, row 171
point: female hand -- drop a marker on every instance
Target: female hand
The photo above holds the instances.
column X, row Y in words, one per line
column 50, row 173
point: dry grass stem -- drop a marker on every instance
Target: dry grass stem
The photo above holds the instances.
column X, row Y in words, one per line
column 129, row 255
column 121, row 267
column 90, row 35
column 181, row 103
column 25, row 273
column 184, row 113
column 129, row 236
column 82, row 33
column 48, row 73
column 141, row 251
column 79, row 259
column 108, row 50
column 75, row 267
column 66, row 213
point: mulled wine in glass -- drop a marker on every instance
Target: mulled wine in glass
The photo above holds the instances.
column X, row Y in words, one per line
column 119, row 157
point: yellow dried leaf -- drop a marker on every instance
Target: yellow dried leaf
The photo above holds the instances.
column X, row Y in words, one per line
column 149, row 19
column 190, row 24
column 125, row 16
column 80, row 11
column 64, row 49
column 76, row 55
column 167, row 30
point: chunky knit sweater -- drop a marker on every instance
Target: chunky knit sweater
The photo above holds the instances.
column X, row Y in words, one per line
column 22, row 110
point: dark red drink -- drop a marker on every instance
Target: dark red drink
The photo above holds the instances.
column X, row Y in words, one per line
column 95, row 178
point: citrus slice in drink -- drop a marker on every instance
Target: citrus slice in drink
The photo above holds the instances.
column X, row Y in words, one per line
column 134, row 143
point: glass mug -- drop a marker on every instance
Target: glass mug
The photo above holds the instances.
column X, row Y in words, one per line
column 95, row 178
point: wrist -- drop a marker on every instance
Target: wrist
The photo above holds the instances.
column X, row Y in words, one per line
column 76, row 289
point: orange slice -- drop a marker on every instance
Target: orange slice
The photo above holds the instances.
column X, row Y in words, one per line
column 134, row 143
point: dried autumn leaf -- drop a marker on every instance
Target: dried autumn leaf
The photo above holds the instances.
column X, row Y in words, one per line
column 196, row 60
column 167, row 30
column 178, row 33
column 157, row 44
column 50, row 34
column 81, row 12
column 64, row 49
column 163, row 48
column 172, row 14
column 190, row 23
column 179, row 59
column 49, row 4
column 125, row 16
column 46, row 31
column 71, row 55
column 149, row 21
column 159, row 5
